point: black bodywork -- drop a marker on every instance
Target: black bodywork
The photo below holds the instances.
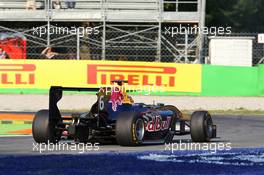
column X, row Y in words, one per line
column 161, row 122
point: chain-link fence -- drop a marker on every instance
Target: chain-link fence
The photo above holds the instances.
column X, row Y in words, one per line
column 123, row 42
column 132, row 43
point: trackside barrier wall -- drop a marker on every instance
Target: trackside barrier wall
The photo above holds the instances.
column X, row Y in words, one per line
column 232, row 81
column 36, row 76
column 261, row 80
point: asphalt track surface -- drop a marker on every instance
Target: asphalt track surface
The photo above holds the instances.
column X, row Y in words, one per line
column 239, row 131
column 237, row 161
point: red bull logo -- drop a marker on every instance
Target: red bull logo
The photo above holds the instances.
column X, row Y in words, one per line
column 116, row 97
column 157, row 124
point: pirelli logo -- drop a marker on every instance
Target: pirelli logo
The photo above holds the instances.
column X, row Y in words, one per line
column 17, row 74
column 135, row 74
column 157, row 78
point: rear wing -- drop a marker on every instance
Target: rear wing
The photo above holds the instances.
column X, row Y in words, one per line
column 55, row 94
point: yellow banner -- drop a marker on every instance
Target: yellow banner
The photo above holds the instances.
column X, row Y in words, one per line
column 41, row 74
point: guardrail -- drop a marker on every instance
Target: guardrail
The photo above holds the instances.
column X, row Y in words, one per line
column 149, row 40
column 100, row 10
column 22, row 4
column 103, row 5
column 181, row 6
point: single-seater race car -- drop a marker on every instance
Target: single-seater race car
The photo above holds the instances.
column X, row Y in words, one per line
column 115, row 116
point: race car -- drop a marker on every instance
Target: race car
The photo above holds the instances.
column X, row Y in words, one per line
column 116, row 117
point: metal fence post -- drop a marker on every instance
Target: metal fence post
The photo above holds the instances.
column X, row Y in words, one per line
column 78, row 45
column 48, row 22
column 159, row 44
column 104, row 29
column 201, row 25
column 177, row 5
column 186, row 47
column 160, row 5
column 103, row 40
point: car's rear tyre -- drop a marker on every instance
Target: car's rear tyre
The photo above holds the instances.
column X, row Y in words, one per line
column 130, row 129
column 201, row 126
column 43, row 130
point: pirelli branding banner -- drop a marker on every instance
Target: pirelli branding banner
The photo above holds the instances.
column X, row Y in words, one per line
column 41, row 74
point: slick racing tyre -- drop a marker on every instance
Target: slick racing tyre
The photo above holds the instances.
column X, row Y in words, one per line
column 130, row 129
column 201, row 126
column 43, row 130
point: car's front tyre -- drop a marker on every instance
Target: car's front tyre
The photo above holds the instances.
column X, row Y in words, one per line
column 201, row 126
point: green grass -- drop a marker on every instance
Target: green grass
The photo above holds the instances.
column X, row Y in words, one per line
column 5, row 128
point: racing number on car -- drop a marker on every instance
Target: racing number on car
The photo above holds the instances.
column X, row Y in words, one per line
column 101, row 103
